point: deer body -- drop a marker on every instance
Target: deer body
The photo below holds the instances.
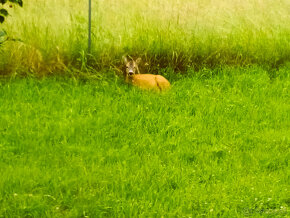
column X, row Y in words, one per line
column 144, row 81
column 150, row 82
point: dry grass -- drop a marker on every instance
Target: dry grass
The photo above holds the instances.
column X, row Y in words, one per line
column 178, row 34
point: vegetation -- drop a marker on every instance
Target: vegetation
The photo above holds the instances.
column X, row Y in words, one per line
column 179, row 34
column 88, row 145
column 211, row 146
column 3, row 14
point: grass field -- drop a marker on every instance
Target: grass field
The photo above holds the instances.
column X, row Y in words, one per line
column 211, row 146
column 76, row 141
column 179, row 34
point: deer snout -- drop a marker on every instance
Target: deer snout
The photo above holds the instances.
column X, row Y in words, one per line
column 131, row 73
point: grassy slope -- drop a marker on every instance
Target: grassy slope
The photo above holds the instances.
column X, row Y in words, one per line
column 211, row 146
column 165, row 32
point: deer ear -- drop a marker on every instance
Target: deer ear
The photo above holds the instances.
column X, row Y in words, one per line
column 138, row 60
column 125, row 59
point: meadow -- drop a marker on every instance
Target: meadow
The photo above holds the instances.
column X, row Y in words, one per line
column 77, row 141
column 165, row 33
column 211, row 146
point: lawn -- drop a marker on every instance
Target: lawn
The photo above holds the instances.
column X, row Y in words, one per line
column 212, row 146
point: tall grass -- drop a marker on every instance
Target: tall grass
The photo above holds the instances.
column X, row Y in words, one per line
column 178, row 34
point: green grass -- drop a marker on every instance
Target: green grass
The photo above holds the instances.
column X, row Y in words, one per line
column 216, row 144
column 178, row 34
column 211, row 146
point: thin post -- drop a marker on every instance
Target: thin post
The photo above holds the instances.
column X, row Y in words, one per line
column 90, row 26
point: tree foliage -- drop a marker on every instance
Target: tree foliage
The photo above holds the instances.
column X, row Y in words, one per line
column 3, row 12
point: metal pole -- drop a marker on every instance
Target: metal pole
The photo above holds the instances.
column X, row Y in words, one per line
column 90, row 26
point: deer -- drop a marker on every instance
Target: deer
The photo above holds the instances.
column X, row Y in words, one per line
column 143, row 81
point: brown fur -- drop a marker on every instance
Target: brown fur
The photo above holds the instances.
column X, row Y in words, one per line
column 144, row 81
